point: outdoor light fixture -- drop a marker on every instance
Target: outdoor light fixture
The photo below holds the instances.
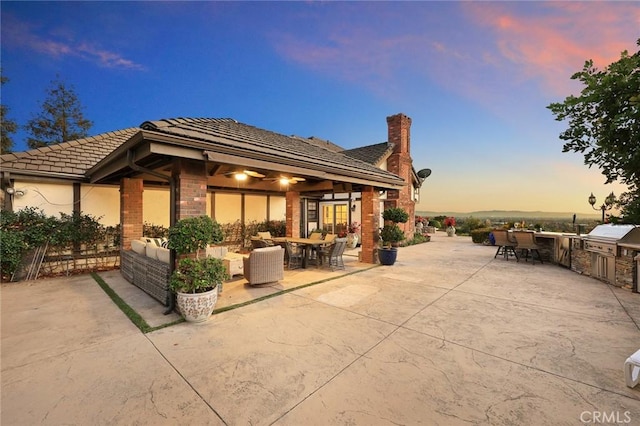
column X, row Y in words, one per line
column 240, row 176
column 284, row 181
column 14, row 192
column 608, row 203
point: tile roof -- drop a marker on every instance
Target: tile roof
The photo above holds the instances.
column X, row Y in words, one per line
column 288, row 149
column 68, row 159
column 73, row 159
column 372, row 154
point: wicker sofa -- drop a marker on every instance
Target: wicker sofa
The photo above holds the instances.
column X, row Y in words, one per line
column 264, row 265
column 146, row 272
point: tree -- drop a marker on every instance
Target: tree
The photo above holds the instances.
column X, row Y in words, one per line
column 61, row 118
column 7, row 126
column 604, row 125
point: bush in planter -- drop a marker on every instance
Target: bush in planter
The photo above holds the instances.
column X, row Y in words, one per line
column 391, row 235
column 395, row 215
column 193, row 234
column 197, row 275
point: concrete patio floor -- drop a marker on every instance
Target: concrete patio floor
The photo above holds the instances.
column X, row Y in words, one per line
column 448, row 335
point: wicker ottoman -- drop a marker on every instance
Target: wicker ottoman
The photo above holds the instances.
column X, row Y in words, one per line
column 234, row 263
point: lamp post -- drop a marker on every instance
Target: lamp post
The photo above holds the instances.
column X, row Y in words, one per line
column 608, row 203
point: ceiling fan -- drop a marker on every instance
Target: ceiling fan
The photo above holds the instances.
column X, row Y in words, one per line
column 286, row 180
column 244, row 174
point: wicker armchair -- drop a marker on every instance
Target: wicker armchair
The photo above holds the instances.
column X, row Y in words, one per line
column 264, row 265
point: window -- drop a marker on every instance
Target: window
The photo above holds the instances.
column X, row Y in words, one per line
column 335, row 217
column 312, row 211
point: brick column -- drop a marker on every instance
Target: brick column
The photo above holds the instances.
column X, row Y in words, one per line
column 293, row 214
column 191, row 188
column 131, row 219
column 370, row 225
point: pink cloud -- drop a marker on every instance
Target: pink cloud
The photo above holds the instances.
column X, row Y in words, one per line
column 554, row 42
column 21, row 34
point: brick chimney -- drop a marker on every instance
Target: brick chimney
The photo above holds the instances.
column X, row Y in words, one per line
column 400, row 163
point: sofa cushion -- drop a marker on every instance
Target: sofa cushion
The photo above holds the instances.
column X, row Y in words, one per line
column 151, row 251
column 139, row 246
column 265, row 235
column 164, row 254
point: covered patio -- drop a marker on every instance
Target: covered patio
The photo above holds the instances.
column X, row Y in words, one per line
column 197, row 158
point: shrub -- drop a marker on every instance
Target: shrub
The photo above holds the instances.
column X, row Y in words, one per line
column 198, row 275
column 435, row 223
column 418, row 239
column 154, row 231
column 277, row 228
column 480, row 235
column 391, row 235
column 192, row 234
column 395, row 215
column 12, row 247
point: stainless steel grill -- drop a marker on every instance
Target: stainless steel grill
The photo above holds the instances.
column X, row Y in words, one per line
column 603, row 243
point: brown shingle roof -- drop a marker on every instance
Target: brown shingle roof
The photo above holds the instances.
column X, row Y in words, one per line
column 230, row 133
column 68, row 159
column 372, row 154
column 73, row 159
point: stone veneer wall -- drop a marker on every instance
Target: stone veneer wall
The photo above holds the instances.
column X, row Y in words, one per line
column 625, row 268
column 580, row 258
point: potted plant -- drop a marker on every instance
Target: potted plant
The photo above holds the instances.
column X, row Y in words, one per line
column 450, row 226
column 391, row 234
column 195, row 280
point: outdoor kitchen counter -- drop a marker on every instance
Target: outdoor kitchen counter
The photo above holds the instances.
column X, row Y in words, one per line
column 555, row 246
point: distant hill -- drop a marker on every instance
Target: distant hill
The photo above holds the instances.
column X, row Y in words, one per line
column 513, row 214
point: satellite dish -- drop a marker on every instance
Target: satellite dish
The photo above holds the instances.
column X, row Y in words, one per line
column 424, row 173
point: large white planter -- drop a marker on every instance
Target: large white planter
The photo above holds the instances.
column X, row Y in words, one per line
column 197, row 307
column 352, row 240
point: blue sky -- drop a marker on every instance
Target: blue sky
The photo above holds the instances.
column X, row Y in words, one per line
column 475, row 77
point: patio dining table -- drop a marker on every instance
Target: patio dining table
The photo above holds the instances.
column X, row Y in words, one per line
column 307, row 243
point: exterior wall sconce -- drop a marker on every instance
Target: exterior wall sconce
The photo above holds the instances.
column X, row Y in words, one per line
column 353, row 207
column 15, row 192
column 608, row 203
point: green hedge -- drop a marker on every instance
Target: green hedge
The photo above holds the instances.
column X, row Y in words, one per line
column 480, row 235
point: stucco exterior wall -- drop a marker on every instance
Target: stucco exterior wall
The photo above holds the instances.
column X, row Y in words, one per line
column 101, row 202
column 278, row 208
column 51, row 198
column 156, row 206
column 255, row 208
column 227, row 207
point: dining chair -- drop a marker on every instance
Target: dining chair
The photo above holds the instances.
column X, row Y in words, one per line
column 294, row 256
column 332, row 255
column 506, row 247
column 527, row 245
